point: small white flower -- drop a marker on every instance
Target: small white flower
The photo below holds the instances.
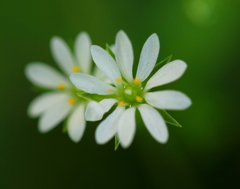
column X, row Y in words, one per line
column 129, row 92
column 54, row 106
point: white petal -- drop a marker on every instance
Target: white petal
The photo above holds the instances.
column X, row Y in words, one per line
column 100, row 75
column 94, row 111
column 43, row 102
column 148, row 57
column 154, row 123
column 76, row 123
column 108, row 127
column 107, row 103
column 106, row 63
column 168, row 73
column 62, row 55
column 127, row 127
column 82, row 51
column 124, row 55
column 54, row 115
column 91, row 84
column 168, row 100
column 45, row 76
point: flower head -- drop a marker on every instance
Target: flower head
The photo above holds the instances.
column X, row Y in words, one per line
column 130, row 93
column 61, row 101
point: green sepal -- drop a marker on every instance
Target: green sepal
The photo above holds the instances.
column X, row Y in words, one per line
column 109, row 50
column 160, row 64
column 117, row 142
column 38, row 89
column 168, row 118
column 65, row 127
column 94, row 97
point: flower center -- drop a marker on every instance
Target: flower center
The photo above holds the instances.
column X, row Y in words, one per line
column 130, row 95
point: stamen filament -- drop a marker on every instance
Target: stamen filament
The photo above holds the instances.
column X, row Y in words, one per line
column 138, row 99
column 76, row 69
column 71, row 101
column 137, row 81
column 61, row 86
column 121, row 103
column 118, row 79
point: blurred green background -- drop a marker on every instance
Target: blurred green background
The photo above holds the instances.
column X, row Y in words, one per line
column 203, row 154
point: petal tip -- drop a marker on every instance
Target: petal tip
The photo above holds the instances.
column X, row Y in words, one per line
column 54, row 40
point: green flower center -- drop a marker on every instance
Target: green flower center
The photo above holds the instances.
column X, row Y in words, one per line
column 130, row 95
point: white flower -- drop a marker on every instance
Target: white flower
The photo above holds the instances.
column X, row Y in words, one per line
column 54, row 106
column 129, row 92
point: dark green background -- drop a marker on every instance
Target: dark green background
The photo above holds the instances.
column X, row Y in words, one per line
column 203, row 154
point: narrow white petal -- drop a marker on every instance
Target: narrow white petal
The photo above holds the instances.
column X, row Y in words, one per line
column 43, row 102
column 127, row 127
column 108, row 127
column 94, row 111
column 148, row 57
column 45, row 76
column 168, row 100
column 62, row 55
column 54, row 115
column 76, row 123
column 107, row 103
column 106, row 63
column 82, row 51
column 124, row 55
column 168, row 73
column 154, row 123
column 91, row 84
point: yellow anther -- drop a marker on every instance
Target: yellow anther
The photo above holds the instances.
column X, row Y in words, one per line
column 61, row 86
column 71, row 101
column 137, row 81
column 121, row 103
column 110, row 90
column 118, row 79
column 138, row 99
column 75, row 69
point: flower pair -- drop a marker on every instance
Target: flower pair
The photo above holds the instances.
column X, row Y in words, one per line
column 127, row 92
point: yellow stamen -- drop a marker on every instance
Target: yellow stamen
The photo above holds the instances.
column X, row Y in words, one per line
column 137, row 81
column 110, row 90
column 76, row 69
column 121, row 103
column 71, row 101
column 61, row 86
column 118, row 79
column 138, row 99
